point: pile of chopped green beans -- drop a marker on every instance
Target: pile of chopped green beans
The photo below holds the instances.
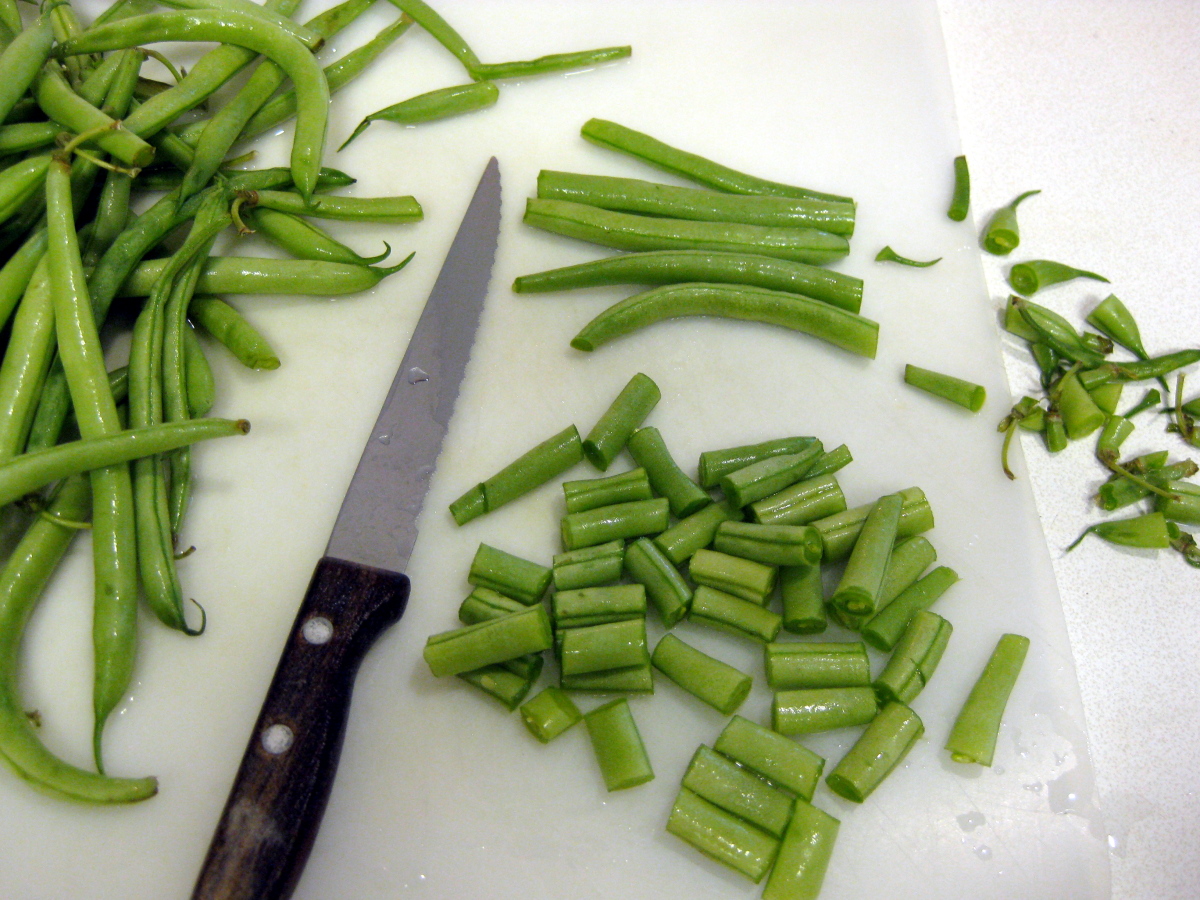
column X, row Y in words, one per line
column 745, row 547
column 1082, row 386
column 86, row 140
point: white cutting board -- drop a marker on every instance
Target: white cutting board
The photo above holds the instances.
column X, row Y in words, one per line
column 441, row 793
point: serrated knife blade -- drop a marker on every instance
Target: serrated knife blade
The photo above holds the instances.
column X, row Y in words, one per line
column 358, row 589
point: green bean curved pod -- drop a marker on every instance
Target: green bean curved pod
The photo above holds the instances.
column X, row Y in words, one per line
column 429, row 107
column 843, row 329
column 623, row 416
column 21, row 62
column 224, row 26
column 649, row 451
column 954, row 390
column 26, row 362
column 674, row 266
column 114, row 544
column 302, row 33
column 10, row 16
column 1001, row 235
column 627, row 231
column 22, row 580
column 973, row 737
column 302, row 238
column 201, row 383
column 1029, row 277
column 960, row 203
column 393, row 210
column 878, row 750
column 71, row 111
column 441, row 30
column 547, row 460
column 238, row 336
column 689, row 165
column 251, row 275
column 651, row 198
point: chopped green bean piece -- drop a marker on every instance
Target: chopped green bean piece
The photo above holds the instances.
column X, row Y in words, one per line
column 886, row 627
column 973, row 737
column 804, row 664
column 590, row 493
column 1080, row 414
column 915, row 658
column 588, row 566
column 768, row 476
column 771, row 545
column 718, row 684
column 739, row 791
column 804, row 854
column 733, row 614
column 646, row 564
column 597, row 605
column 598, row 648
column 715, row 464
column 486, row 643
column 649, row 451
column 858, row 590
column 686, row 536
column 1184, row 503
column 1029, row 277
column 802, row 591
column 549, row 714
column 811, row 710
column 955, row 390
column 618, row 521
column 508, row 687
column 1002, row 236
column 831, row 461
column 840, row 531
column 609, row 435
column 734, row 575
column 773, row 756
column 1149, row 530
column 722, row 836
column 878, row 750
column 618, row 745
column 484, row 604
column 510, row 575
column 961, row 201
column 803, row 502
column 631, row 679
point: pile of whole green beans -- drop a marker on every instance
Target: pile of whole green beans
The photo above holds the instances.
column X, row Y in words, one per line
column 649, row 547
column 84, row 135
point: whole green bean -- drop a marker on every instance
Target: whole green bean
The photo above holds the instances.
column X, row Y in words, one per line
column 20, row 137
column 201, row 383
column 71, row 111
column 651, row 198
column 689, row 165
column 18, row 270
column 441, row 30
column 237, row 335
column 252, row 275
column 22, row 580
column 973, row 737
column 628, row 231
column 429, row 107
column 26, row 361
column 302, row 238
column 306, row 35
column 674, row 266
column 393, row 210
column 226, row 26
column 843, row 329
column 21, row 62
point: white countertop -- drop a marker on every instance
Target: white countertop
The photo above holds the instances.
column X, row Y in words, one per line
column 1095, row 103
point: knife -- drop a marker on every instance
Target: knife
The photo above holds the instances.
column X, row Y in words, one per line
column 358, row 589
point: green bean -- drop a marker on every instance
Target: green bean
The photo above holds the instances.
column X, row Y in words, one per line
column 813, row 710
column 715, row 464
column 878, row 750
column 1055, row 432
column 588, row 566
column 1148, row 531
column 619, row 520
column 1112, row 318
column 511, row 575
column 393, row 210
column 688, row 535
column 71, row 111
column 26, row 361
column 547, row 460
column 840, row 531
column 21, row 181
column 673, row 266
column 1001, row 236
column 598, row 606
column 226, row 26
column 973, row 737
column 910, row 557
column 600, row 648
column 201, row 383
column 429, row 107
column 832, row 460
column 709, row 680
column 306, row 35
column 803, row 502
column 1080, row 414
column 1107, row 396
column 772, row 545
column 10, row 17
column 114, row 546
column 804, row 853
column 722, row 836
column 650, row 452
column 22, row 579
column 1120, row 491
column 651, row 198
column 1046, row 325
column 282, row 106
column 618, row 745
column 727, row 785
column 843, row 329
column 765, row 477
column 252, row 275
column 955, row 390
column 1183, row 504
column 734, row 575
column 228, row 327
column 887, row 254
column 630, row 680
column 554, row 62
column 628, row 231
column 887, row 626
column 743, row 618
column 21, row 62
column 485, row 604
column 915, row 658
column 487, row 643
column 858, row 590
column 802, row 592
column 590, row 493
column 630, row 408
column 549, row 714
column 773, row 756
column 28, row 472
column 441, row 31
column 506, row 686
column 54, row 405
column 689, row 165
column 804, row 664
column 20, row 137
column 224, row 128
column 960, row 203
column 666, row 588
column 303, row 239
column 1116, row 431
column 1029, row 277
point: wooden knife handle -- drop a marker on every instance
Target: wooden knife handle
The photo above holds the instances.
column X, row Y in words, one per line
column 274, row 809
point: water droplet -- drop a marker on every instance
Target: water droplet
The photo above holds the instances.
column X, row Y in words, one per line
column 384, row 438
column 971, row 820
column 983, row 851
column 1036, row 787
column 417, row 375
